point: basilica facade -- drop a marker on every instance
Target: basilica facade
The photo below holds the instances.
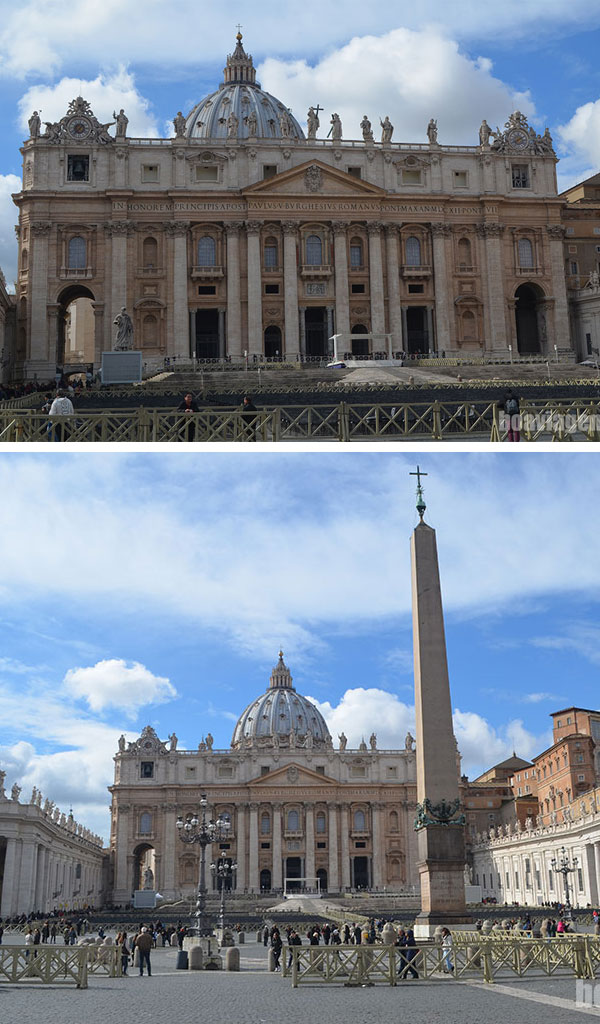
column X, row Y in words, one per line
column 245, row 237
column 301, row 813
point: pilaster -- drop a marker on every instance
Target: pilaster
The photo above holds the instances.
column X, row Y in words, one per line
column 393, row 288
column 38, row 350
column 290, row 289
column 333, row 879
column 234, row 305
column 342, row 301
column 253, row 882
column 276, row 878
column 178, row 231
column 255, row 325
column 440, row 233
column 376, row 282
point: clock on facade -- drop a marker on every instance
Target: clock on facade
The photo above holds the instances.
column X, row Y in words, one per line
column 79, row 127
column 518, row 139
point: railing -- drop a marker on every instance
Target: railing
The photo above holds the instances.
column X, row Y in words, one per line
column 52, row 965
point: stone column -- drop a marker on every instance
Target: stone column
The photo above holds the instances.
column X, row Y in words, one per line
column 234, row 304
column 38, row 900
column 38, row 348
column 118, row 231
column 491, row 235
column 431, row 341
column 290, row 289
column 98, row 308
column 377, row 846
column 561, row 339
column 9, row 882
column 169, row 839
column 122, row 881
column 253, row 881
column 395, row 319
column 310, row 840
column 345, row 848
column 180, row 340
column 240, row 831
column 221, row 333
column 255, row 327
column 27, row 877
column 444, row 319
column 342, row 291
column 276, row 877
column 376, row 285
column 302, row 329
column 333, row 875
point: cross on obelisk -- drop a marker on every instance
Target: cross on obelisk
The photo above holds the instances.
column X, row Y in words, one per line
column 439, row 822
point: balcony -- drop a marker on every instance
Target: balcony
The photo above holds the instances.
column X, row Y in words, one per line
column 360, row 833
column 529, row 271
column 316, row 270
column 208, row 273
column 75, row 273
column 464, row 269
column 272, row 270
column 293, row 834
column 410, row 270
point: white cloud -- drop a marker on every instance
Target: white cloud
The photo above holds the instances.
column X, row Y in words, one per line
column 410, row 75
column 106, row 93
column 582, row 638
column 482, row 745
column 9, row 216
column 581, row 137
column 114, row 683
column 362, row 711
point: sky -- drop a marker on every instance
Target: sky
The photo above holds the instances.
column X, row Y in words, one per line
column 456, row 61
column 157, row 589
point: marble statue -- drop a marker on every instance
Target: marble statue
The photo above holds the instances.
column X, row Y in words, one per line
column 292, row 739
column 173, row 741
column 34, row 125
column 409, row 742
column 148, row 878
column 313, row 123
column 179, row 125
column 252, row 122
column 432, row 131
column 284, row 124
column 122, row 742
column 124, row 335
column 373, row 741
column 33, row 799
column 594, row 280
column 367, row 130
column 484, row 133
column 528, row 823
column 38, row 798
column 343, row 740
column 387, row 130
column 232, row 126
column 202, row 745
column 336, row 128
column 121, row 121
column 209, row 741
column 467, row 874
column 15, row 792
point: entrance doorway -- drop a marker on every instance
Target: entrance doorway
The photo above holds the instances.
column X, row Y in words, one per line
column 417, row 335
column 293, row 870
column 360, row 346
column 361, row 872
column 75, row 344
column 265, row 880
column 273, row 342
column 527, row 315
column 322, row 876
column 207, row 334
column 315, row 322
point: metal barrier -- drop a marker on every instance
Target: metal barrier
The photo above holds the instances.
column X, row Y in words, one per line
column 49, row 964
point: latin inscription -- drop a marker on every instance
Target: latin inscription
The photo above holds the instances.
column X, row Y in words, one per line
column 300, row 206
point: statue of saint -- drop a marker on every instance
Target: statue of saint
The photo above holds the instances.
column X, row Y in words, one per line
column 594, row 280
column 121, row 121
column 209, row 741
column 202, row 745
column 252, row 122
column 336, row 128
column 232, row 126
column 313, row 123
column 122, row 742
column 367, row 130
column 34, row 125
column 409, row 742
column 343, row 740
column 484, row 133
column 179, row 125
column 173, row 741
column 373, row 741
column 284, row 124
column 432, row 132
column 387, row 130
column 124, row 335
column 148, row 878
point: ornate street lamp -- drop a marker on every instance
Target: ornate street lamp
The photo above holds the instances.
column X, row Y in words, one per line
column 199, row 830
column 222, row 871
column 563, row 866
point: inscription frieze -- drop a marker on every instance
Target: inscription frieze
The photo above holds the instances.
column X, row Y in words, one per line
column 339, row 205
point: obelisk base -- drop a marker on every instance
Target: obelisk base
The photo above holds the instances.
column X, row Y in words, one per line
column 441, row 851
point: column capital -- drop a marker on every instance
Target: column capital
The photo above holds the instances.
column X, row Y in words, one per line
column 374, row 228
column 276, row 807
column 489, row 230
column 119, row 227
column 391, row 230
column 41, row 228
column 440, row 230
column 253, row 227
column 176, row 229
column 253, row 808
column 339, row 227
column 234, row 226
column 556, row 231
column 289, row 227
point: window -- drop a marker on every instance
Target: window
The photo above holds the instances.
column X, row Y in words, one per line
column 314, row 251
column 207, row 173
column 145, row 823
column 207, row 252
column 149, row 331
column 574, row 267
column 150, row 253
column 321, row 846
column 581, row 778
column 293, row 821
column 207, row 289
column 78, row 168
column 265, row 846
column 580, row 879
column 149, row 172
column 464, row 253
column 356, row 253
column 525, row 251
column 190, row 772
column 271, row 254
column 269, row 170
column 78, row 871
column 569, row 721
column 355, row 172
column 559, row 723
column 357, row 289
column 413, row 252
column 393, row 821
column 359, row 821
column 77, row 253
column 265, row 824
column 360, row 846
column 460, row 179
column 516, row 879
column 321, row 822
column 147, row 769
column 320, row 769
column 271, row 289
column 264, row 769
column 411, row 177
column 416, row 289
column 579, row 758
column 520, row 176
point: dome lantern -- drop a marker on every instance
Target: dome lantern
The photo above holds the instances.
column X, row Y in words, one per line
column 280, row 676
column 239, row 67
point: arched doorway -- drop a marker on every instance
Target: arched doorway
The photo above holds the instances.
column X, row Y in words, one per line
column 528, row 312
column 144, row 874
column 360, row 346
column 322, row 877
column 273, row 347
column 265, row 880
column 75, row 344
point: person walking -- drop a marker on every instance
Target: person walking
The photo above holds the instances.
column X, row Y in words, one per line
column 447, row 950
column 410, row 953
column 61, row 407
column 188, row 406
column 276, row 946
column 512, row 417
column 143, row 943
column 293, row 940
column 249, row 419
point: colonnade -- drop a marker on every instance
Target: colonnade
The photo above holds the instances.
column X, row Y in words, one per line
column 38, row 875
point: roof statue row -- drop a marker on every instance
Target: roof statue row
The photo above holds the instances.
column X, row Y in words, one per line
column 51, row 811
column 240, row 110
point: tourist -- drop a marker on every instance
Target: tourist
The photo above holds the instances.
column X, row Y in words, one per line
column 188, row 405
column 121, row 943
column 447, row 950
column 512, row 417
column 293, row 940
column 249, row 419
column 143, row 944
column 410, row 953
column 276, row 946
column 61, row 407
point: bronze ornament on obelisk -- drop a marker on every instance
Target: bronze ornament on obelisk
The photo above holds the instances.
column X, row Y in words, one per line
column 439, row 822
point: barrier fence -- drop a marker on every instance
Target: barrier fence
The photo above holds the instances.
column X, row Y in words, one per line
column 52, row 965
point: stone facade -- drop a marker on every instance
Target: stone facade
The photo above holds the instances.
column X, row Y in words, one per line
column 581, row 220
column 7, row 331
column 241, row 236
column 298, row 808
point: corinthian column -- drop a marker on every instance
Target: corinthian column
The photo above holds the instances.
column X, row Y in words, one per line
column 393, row 287
column 342, row 302
column 333, row 881
column 181, row 335
column 234, row 307
column 310, row 840
column 290, row 290
column 255, row 338
column 253, row 885
column 376, row 281
column 240, row 833
column 442, row 314
column 556, row 233
column 39, row 292
column 118, row 231
column 277, row 878
column 491, row 235
column 345, row 849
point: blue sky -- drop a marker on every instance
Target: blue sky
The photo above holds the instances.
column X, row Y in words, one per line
column 153, row 588
column 457, row 62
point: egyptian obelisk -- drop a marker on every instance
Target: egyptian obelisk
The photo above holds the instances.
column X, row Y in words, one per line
column 439, row 822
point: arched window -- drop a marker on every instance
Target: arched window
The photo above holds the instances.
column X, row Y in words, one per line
column 469, row 326
column 413, row 252
column 359, row 821
column 77, row 254
column 273, row 344
column 356, row 253
column 271, row 254
column 145, row 823
column 321, row 822
column 525, row 249
column 150, row 253
column 207, row 252
column 293, row 822
column 314, row 251
column 393, row 821
column 265, row 824
column 149, row 331
column 464, row 253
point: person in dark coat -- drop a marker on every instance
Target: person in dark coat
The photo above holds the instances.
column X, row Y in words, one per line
column 409, row 953
column 293, row 940
column 189, row 405
column 276, row 946
column 249, row 418
column 512, row 417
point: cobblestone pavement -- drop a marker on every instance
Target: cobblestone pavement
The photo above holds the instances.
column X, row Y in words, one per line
column 256, row 997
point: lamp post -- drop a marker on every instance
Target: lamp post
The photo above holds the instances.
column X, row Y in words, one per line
column 563, row 866
column 198, row 830
column 222, row 871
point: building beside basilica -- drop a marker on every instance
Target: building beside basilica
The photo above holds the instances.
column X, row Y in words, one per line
column 298, row 807
column 244, row 235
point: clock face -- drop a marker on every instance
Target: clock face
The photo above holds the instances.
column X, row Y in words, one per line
column 79, row 127
column 518, row 138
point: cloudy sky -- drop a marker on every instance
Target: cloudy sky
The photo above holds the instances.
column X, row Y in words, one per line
column 151, row 588
column 458, row 62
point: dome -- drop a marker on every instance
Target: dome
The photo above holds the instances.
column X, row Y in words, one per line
column 240, row 109
column 281, row 717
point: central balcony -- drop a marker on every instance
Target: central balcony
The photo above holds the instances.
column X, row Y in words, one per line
column 317, row 270
column 209, row 273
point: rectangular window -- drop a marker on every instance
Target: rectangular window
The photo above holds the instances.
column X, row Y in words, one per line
column 225, row 772
column 355, row 172
column 460, row 179
column 411, row 177
column 572, row 248
column 271, row 289
column 581, row 778
column 190, row 772
column 392, row 773
column 538, row 879
column 550, row 879
column 570, row 231
column 483, row 880
column 147, row 769
column 507, row 880
column 596, row 231
column 574, row 267
column 320, row 769
column 516, row 879
column 580, row 759
column 360, row 846
column 357, row 772
column 416, row 289
column 520, row 176
column 321, row 846
column 269, row 170
column 78, row 168
column 207, row 173
column 264, row 769
column 357, row 289
column 207, row 289
column 580, row 879
column 149, row 172
column 265, row 846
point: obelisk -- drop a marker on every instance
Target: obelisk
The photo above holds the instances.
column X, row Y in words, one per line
column 439, row 822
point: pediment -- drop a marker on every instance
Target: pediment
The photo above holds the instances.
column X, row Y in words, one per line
column 293, row 774
column 315, row 179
